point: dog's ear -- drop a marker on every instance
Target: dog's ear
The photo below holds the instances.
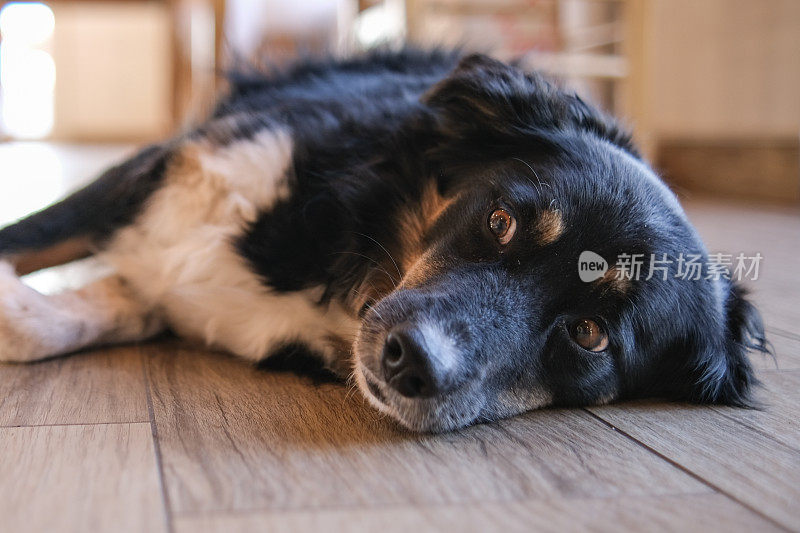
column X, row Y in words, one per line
column 501, row 104
column 722, row 370
column 475, row 97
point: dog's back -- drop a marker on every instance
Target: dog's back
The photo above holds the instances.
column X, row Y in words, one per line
column 324, row 104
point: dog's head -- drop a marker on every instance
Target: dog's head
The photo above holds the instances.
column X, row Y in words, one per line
column 494, row 317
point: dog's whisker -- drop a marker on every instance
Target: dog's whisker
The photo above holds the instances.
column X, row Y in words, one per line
column 399, row 273
column 538, row 179
column 377, row 264
column 352, row 390
column 368, row 305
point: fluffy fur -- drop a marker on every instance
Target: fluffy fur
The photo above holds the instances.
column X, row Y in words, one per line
column 339, row 209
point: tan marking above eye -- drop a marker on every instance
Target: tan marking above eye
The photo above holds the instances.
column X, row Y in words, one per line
column 611, row 281
column 549, row 226
column 503, row 225
column 589, row 335
column 415, row 221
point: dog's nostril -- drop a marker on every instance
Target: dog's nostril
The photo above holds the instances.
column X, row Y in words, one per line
column 407, row 364
column 411, row 386
column 393, row 350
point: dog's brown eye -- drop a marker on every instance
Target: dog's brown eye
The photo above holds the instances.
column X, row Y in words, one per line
column 589, row 335
column 502, row 225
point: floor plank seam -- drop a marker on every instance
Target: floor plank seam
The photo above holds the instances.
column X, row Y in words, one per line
column 783, row 333
column 122, row 423
column 755, row 429
column 157, row 449
column 179, row 515
column 688, row 472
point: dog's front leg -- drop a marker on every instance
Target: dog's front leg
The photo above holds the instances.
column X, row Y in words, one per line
column 34, row 326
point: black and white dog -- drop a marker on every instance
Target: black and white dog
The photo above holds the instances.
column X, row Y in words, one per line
column 414, row 220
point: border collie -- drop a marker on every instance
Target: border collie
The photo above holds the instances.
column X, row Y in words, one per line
column 414, row 220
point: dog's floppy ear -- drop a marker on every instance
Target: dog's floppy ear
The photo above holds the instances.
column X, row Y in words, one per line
column 475, row 96
column 501, row 103
column 722, row 370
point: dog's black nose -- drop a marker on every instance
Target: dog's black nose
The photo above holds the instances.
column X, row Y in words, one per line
column 413, row 364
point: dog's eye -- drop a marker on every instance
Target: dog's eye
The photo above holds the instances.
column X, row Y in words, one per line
column 589, row 335
column 502, row 225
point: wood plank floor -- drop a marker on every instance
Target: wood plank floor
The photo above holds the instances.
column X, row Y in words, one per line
column 167, row 437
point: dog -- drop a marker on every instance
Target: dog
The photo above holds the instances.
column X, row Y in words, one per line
column 412, row 219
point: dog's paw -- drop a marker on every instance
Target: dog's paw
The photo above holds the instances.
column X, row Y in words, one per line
column 7, row 271
column 22, row 319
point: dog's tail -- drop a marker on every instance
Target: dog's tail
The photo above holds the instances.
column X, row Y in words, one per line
column 77, row 225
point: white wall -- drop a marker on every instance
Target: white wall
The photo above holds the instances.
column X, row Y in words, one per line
column 725, row 68
column 113, row 70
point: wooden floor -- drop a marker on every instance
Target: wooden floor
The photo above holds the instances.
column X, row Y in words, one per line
column 165, row 437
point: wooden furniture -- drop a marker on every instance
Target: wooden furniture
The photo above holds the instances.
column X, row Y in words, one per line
column 595, row 46
column 173, row 47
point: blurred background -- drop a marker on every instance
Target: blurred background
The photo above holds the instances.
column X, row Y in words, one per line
column 711, row 87
column 124, row 439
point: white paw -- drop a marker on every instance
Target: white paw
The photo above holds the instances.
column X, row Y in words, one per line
column 7, row 271
column 23, row 316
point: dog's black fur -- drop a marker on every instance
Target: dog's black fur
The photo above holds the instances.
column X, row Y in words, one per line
column 374, row 138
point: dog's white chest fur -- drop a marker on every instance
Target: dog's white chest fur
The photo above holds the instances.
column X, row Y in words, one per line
column 179, row 255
